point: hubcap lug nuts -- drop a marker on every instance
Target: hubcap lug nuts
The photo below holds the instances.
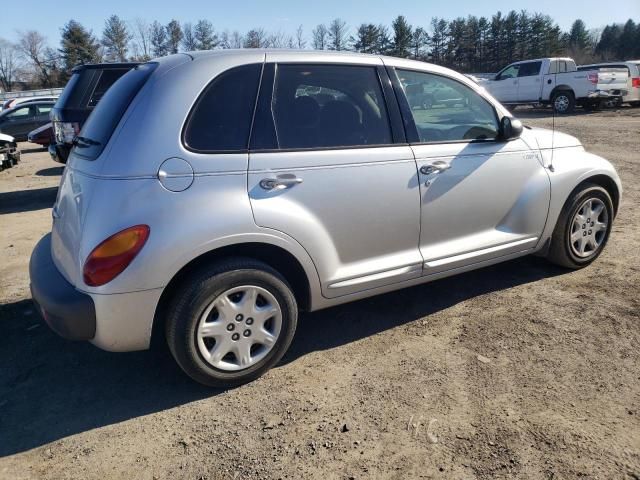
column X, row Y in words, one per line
column 249, row 321
column 247, row 332
column 235, row 336
column 239, row 317
column 231, row 327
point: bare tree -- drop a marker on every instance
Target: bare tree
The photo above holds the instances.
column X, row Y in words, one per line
column 33, row 46
column 279, row 40
column 338, row 32
column 141, row 39
column 8, row 64
column 320, row 37
column 236, row 40
column 300, row 41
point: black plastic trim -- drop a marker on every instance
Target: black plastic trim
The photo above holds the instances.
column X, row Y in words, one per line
column 68, row 312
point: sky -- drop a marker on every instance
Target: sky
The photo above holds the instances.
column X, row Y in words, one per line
column 48, row 16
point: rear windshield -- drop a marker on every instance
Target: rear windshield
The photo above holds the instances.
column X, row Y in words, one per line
column 105, row 117
column 107, row 78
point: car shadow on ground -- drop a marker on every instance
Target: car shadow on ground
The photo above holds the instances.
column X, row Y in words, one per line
column 33, row 149
column 27, row 200
column 51, row 388
column 50, row 172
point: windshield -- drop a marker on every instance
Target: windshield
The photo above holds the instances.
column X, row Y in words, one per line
column 105, row 117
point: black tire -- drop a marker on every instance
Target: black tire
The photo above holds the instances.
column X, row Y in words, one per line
column 561, row 252
column 566, row 98
column 196, row 293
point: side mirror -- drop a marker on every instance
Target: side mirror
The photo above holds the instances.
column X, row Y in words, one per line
column 510, row 128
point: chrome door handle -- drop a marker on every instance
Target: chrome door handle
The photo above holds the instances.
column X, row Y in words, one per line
column 436, row 167
column 281, row 182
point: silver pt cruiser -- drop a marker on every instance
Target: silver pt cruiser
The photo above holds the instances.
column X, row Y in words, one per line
column 211, row 196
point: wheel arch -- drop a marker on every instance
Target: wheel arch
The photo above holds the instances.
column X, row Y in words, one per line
column 277, row 257
column 605, row 182
column 561, row 88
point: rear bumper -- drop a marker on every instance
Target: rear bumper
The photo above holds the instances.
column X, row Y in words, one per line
column 606, row 93
column 68, row 312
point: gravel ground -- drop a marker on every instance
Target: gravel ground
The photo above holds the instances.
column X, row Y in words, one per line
column 520, row 370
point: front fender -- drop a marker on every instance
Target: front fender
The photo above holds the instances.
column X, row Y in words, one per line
column 571, row 167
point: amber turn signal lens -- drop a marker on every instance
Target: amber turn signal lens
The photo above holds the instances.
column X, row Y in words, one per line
column 112, row 256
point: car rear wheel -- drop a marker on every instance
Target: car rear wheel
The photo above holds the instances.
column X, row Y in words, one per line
column 230, row 323
column 563, row 102
column 583, row 228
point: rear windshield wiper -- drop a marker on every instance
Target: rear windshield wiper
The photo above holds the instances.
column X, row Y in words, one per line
column 84, row 142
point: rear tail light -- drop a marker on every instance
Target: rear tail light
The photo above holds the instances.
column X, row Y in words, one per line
column 66, row 131
column 112, row 256
column 635, row 82
column 593, row 78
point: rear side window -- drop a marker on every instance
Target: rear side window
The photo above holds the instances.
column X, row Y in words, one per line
column 105, row 117
column 529, row 69
column 316, row 106
column 107, row 78
column 221, row 118
column 44, row 109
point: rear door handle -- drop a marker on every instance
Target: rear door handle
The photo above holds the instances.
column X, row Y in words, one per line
column 281, row 182
column 436, row 167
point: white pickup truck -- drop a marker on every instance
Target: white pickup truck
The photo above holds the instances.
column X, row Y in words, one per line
column 556, row 81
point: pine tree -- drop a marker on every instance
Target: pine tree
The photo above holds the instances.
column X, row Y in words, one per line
column 383, row 41
column 77, row 46
column 204, row 35
column 158, row 39
column 366, row 38
column 115, row 39
column 578, row 37
column 402, row 35
column 174, row 36
column 626, row 41
column 337, row 34
column 419, row 41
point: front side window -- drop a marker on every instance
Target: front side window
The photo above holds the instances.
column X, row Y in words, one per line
column 221, row 118
column 325, row 106
column 447, row 110
column 529, row 69
column 20, row 113
column 510, row 72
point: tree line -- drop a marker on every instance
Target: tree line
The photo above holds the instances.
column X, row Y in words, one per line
column 467, row 44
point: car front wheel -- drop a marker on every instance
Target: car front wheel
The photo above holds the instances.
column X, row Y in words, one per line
column 583, row 227
column 230, row 323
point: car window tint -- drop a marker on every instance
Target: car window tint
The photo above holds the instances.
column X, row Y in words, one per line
column 107, row 78
column 19, row 113
column 316, row 106
column 529, row 69
column 446, row 110
column 221, row 118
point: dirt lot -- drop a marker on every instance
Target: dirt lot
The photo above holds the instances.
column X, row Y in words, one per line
column 521, row 370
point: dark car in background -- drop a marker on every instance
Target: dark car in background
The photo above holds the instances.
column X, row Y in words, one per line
column 22, row 119
column 85, row 88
